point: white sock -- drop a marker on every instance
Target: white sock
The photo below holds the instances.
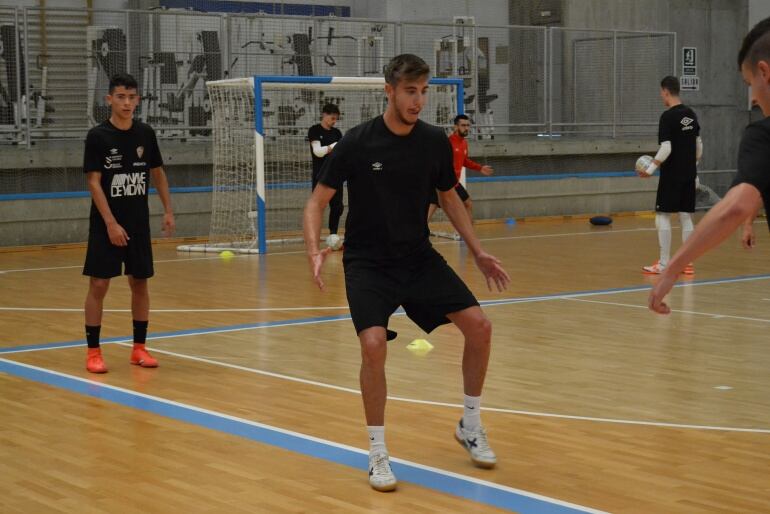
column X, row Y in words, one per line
column 376, row 439
column 685, row 218
column 663, row 223
column 472, row 412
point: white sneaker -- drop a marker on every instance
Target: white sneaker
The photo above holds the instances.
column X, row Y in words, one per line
column 653, row 269
column 475, row 441
column 381, row 477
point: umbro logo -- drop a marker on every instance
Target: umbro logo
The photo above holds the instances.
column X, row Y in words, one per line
column 376, row 166
column 687, row 123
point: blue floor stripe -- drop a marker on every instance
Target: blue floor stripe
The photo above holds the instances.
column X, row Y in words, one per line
column 321, row 319
column 481, row 492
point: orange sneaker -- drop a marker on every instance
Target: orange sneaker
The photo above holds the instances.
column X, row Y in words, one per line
column 654, row 269
column 141, row 357
column 689, row 269
column 95, row 362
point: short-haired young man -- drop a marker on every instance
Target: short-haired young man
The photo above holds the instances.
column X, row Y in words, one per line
column 751, row 187
column 389, row 261
column 460, row 157
column 120, row 156
column 680, row 150
column 323, row 137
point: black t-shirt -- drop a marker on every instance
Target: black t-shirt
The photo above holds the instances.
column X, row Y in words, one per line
column 390, row 179
column 124, row 158
column 679, row 124
column 326, row 137
column 754, row 159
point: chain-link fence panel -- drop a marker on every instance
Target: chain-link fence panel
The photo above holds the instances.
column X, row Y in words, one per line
column 606, row 83
column 503, row 71
column 291, row 46
column 642, row 61
column 12, row 73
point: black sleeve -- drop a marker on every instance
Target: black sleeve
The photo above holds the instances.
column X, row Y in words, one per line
column 665, row 132
column 154, row 159
column 446, row 178
column 335, row 169
column 313, row 134
column 92, row 155
column 754, row 159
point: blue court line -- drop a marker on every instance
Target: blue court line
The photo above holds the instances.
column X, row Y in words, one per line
column 323, row 319
column 306, row 184
column 442, row 481
column 179, row 333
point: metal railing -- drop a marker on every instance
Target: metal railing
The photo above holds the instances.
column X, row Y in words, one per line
column 55, row 65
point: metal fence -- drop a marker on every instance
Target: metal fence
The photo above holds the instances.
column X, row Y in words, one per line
column 55, row 65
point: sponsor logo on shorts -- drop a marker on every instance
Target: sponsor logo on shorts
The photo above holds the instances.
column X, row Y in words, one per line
column 128, row 184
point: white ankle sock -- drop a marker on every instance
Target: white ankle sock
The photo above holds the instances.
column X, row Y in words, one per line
column 376, row 439
column 685, row 218
column 663, row 223
column 472, row 412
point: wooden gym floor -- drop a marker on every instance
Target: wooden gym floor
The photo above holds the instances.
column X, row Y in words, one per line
column 592, row 402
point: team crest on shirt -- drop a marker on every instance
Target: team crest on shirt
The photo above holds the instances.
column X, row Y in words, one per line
column 686, row 123
column 377, row 166
column 139, row 151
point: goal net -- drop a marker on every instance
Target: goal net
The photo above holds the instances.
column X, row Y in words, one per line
column 261, row 157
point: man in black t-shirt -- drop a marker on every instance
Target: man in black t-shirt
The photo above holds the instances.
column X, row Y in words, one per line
column 751, row 187
column 389, row 261
column 323, row 137
column 119, row 156
column 680, row 150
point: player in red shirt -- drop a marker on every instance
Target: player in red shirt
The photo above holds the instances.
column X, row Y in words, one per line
column 460, row 154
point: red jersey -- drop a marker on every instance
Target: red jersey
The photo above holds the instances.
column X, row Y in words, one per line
column 460, row 154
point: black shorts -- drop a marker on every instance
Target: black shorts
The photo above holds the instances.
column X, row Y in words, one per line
column 424, row 285
column 675, row 196
column 105, row 260
column 459, row 188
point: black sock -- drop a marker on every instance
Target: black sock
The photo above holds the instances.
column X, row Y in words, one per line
column 140, row 332
column 92, row 335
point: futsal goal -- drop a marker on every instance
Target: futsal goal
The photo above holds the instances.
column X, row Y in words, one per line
column 261, row 157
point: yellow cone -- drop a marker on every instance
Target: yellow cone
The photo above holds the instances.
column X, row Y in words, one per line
column 419, row 346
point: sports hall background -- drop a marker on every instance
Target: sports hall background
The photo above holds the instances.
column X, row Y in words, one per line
column 564, row 93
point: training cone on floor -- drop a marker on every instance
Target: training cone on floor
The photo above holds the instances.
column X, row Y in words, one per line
column 419, row 346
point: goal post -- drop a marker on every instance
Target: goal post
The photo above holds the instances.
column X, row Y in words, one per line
column 261, row 158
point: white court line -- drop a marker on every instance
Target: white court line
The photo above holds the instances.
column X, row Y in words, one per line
column 452, row 405
column 680, row 311
column 484, row 303
column 256, row 309
column 294, row 252
column 299, row 435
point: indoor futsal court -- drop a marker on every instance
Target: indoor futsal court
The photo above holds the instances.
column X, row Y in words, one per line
column 225, row 148
column 593, row 403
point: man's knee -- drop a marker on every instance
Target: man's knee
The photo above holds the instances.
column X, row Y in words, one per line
column 473, row 323
column 373, row 345
column 97, row 287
